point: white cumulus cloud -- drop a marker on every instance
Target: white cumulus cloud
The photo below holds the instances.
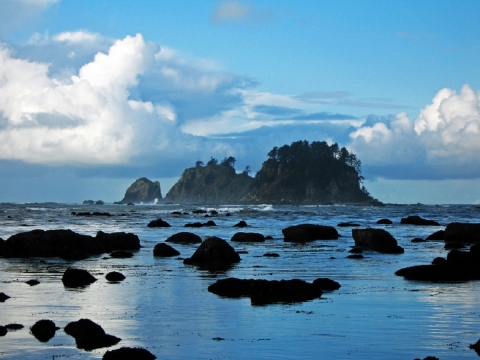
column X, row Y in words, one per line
column 442, row 141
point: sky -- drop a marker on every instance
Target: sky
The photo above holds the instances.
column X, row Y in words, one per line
column 95, row 94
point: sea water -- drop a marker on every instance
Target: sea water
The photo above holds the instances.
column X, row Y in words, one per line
column 164, row 306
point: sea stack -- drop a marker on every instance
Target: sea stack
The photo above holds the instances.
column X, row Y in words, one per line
column 142, row 191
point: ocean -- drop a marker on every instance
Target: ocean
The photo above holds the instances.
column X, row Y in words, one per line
column 163, row 305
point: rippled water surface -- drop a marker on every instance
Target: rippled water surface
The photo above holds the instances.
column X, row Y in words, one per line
column 164, row 306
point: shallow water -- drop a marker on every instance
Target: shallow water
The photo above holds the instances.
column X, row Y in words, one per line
column 164, row 306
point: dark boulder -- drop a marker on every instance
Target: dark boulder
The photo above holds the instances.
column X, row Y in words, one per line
column 3, row 297
column 32, row 282
column 115, row 276
column 263, row 292
column 385, row 222
column 3, row 330
column 376, row 239
column 14, row 326
column 77, row 278
column 142, row 191
column 199, row 224
column 127, row 353
column 158, row 223
column 417, row 240
column 269, row 254
column 439, row 260
column 476, row 347
column 248, row 237
column 326, row 284
column 417, row 220
column 44, row 330
column 118, row 241
column 214, row 253
column 184, row 238
column 89, row 335
column 309, row 232
column 199, row 211
column 437, row 235
column 462, row 233
column 121, row 254
column 65, row 244
column 164, row 250
column 241, row 223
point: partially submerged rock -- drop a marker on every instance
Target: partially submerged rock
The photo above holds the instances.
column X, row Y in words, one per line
column 89, row 335
column 199, row 224
column 66, row 244
column 437, row 235
column 417, row 220
column 3, row 297
column 115, row 276
column 263, row 292
column 14, row 326
column 127, row 353
column 326, row 284
column 121, row 254
column 385, row 222
column 241, row 223
column 164, row 250
column 376, row 239
column 184, row 238
column 77, row 278
column 158, row 223
column 459, row 266
column 3, row 330
column 44, row 330
column 347, row 224
column 309, row 232
column 462, row 233
column 32, row 282
column 248, row 237
column 214, row 253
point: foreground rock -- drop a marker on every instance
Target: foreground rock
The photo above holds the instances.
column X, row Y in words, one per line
column 89, row 335
column 142, row 191
column 417, row 220
column 77, row 278
column 127, row 353
column 184, row 237
column 214, row 254
column 263, row 292
column 459, row 266
column 66, row 244
column 164, row 250
column 248, row 237
column 376, row 239
column 44, row 330
column 309, row 232
column 462, row 233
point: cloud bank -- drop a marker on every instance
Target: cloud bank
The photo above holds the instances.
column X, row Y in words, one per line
column 80, row 99
column 442, row 142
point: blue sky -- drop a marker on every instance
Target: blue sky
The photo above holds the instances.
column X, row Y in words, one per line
column 94, row 94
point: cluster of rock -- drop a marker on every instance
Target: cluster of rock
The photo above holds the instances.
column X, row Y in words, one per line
column 458, row 265
column 65, row 244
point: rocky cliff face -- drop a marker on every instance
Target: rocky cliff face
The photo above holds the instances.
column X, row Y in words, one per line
column 211, row 184
column 290, row 184
column 142, row 191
